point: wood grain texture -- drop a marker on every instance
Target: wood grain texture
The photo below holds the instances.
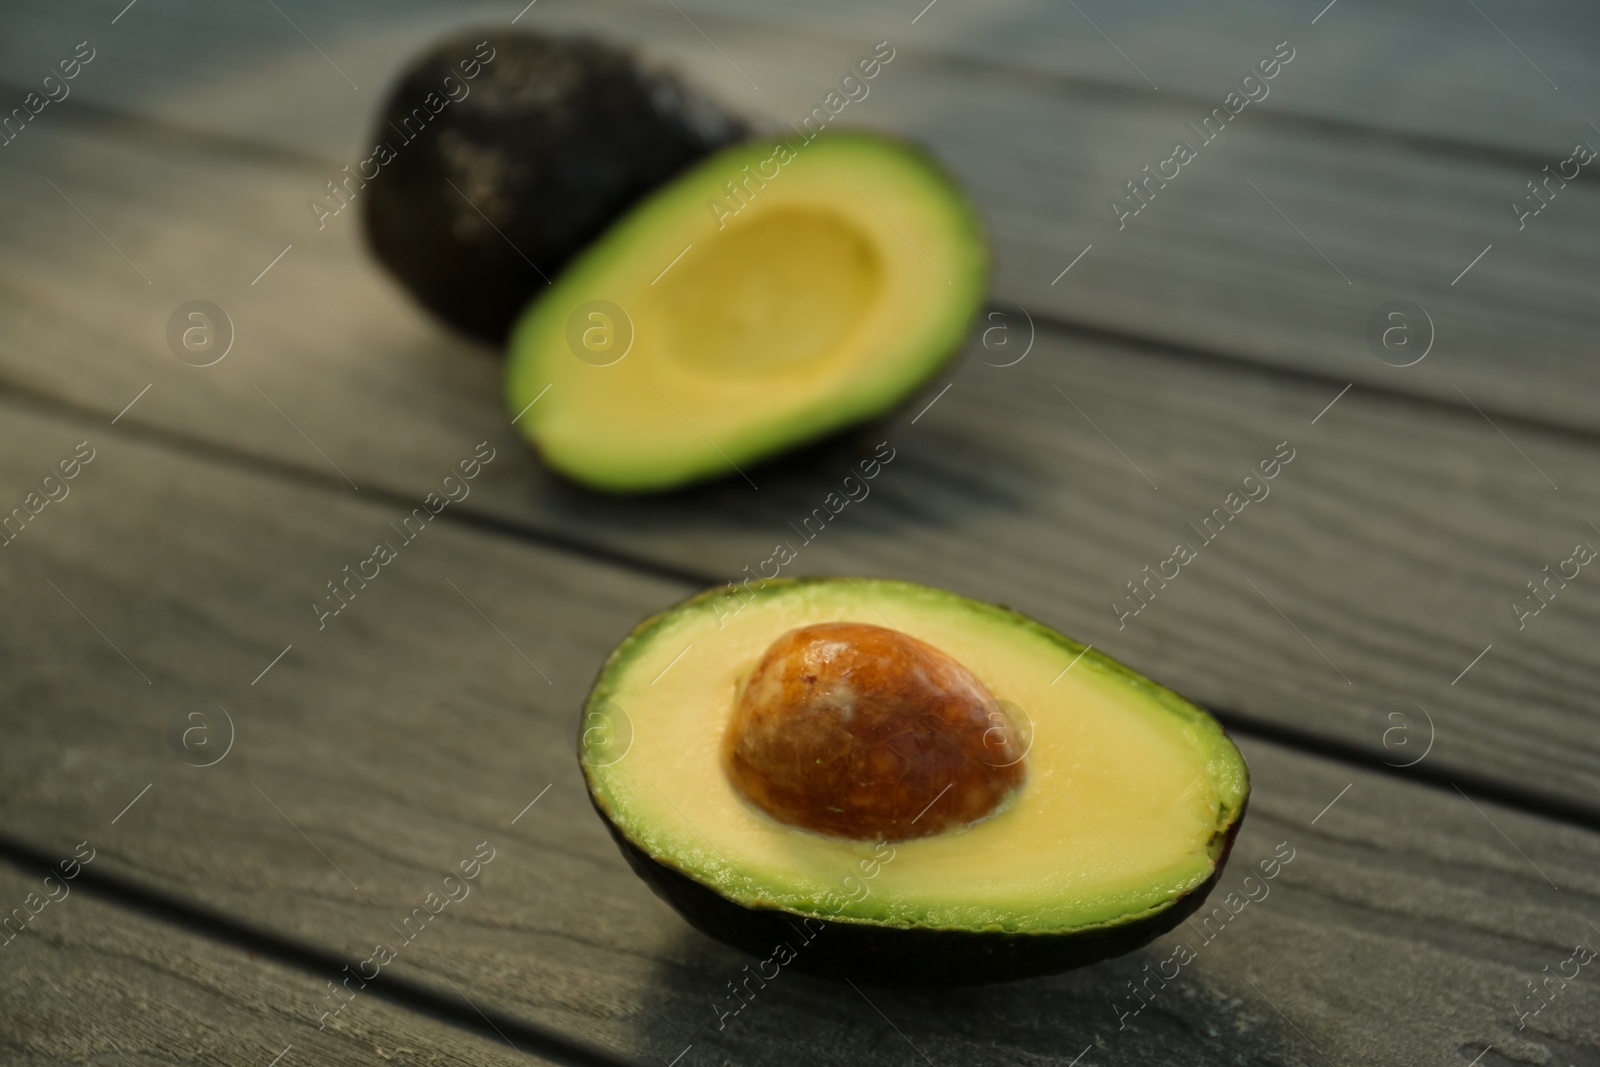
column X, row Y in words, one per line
column 378, row 752
column 90, row 982
column 1397, row 545
column 1414, row 68
column 1342, row 216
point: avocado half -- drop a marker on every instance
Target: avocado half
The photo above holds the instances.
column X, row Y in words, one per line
column 1131, row 801
column 774, row 293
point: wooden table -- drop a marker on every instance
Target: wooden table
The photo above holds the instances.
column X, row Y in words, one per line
column 1429, row 753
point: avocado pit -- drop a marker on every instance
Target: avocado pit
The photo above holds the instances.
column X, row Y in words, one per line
column 863, row 732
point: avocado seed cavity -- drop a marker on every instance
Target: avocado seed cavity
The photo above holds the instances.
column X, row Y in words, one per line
column 863, row 732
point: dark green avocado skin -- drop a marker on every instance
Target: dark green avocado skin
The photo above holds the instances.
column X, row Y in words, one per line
column 903, row 956
column 551, row 141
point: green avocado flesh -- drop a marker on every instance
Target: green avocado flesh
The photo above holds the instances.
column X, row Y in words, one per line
column 776, row 292
column 1131, row 798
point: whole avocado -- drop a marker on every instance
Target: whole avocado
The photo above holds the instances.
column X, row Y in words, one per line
column 512, row 150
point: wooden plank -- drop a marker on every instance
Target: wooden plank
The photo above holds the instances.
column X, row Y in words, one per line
column 377, row 753
column 1469, row 84
column 89, row 982
column 1276, row 244
column 211, row 597
column 335, row 374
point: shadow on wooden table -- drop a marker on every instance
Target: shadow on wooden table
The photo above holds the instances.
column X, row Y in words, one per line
column 798, row 1018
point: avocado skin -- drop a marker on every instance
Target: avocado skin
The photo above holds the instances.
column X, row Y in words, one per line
column 917, row 956
column 554, row 140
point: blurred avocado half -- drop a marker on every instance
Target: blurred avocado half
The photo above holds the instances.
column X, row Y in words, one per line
column 711, row 329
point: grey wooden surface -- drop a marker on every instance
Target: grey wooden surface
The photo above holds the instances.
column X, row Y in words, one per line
column 91, row 982
column 378, row 752
column 1427, row 70
column 381, row 750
